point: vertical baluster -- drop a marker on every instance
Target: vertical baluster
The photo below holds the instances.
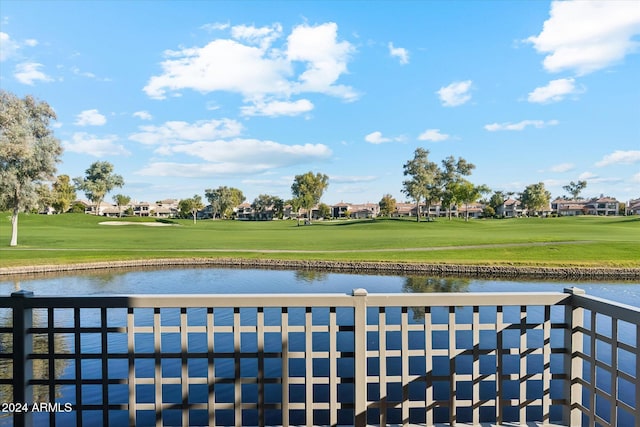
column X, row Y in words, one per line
column 360, row 347
column 22, row 349
column 574, row 318
column 211, row 379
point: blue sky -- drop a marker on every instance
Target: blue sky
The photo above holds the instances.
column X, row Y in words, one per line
column 183, row 96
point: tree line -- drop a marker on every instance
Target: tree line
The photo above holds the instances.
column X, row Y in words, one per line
column 29, row 153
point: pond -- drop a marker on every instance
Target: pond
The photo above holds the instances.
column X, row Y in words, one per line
column 251, row 281
column 248, row 281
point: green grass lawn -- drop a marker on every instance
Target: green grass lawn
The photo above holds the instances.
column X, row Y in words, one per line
column 577, row 241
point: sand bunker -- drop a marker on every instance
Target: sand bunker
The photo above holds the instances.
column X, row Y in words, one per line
column 148, row 224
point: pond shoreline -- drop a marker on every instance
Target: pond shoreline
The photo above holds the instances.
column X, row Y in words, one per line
column 492, row 271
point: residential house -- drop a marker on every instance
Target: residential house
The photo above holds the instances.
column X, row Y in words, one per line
column 142, row 209
column 340, row 210
column 243, row 211
column 510, row 208
column 365, row 210
column 603, row 206
column 633, row 207
column 569, row 207
column 471, row 210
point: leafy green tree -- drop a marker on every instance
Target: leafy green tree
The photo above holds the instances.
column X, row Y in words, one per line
column 278, row 207
column 387, row 205
column 324, row 210
column 121, row 200
column 28, row 153
column 496, row 200
column 535, row 198
column 64, row 193
column 488, row 212
column 45, row 196
column 98, row 181
column 422, row 184
column 191, row 206
column 575, row 188
column 77, row 207
column 264, row 202
column 223, row 200
column 307, row 189
column 453, row 171
column 468, row 193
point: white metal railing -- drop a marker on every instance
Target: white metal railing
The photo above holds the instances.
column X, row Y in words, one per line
column 564, row 358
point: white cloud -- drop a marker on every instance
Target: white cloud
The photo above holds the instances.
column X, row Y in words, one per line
column 457, row 93
column 277, row 108
column 339, row 179
column 587, row 175
column 586, row 36
column 263, row 36
column 555, row 91
column 636, row 178
column 29, row 72
column 620, row 157
column 562, row 167
column 78, row 72
column 252, row 66
column 433, row 135
column 90, row 118
column 377, row 138
column 216, row 26
column 399, row 52
column 143, row 115
column 252, row 151
column 520, row 125
column 92, row 145
column 235, row 157
column 177, row 132
column 326, row 59
column 8, row 47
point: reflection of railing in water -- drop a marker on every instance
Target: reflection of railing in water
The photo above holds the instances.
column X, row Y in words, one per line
column 329, row 359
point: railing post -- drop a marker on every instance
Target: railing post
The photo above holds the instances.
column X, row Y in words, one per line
column 574, row 318
column 360, row 357
column 22, row 364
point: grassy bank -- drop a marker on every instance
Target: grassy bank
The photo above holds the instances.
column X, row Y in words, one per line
column 557, row 242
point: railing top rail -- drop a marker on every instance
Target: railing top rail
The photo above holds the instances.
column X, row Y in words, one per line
column 616, row 310
column 286, row 300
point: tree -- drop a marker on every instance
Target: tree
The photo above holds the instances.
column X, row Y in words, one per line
column 497, row 199
column 307, row 189
column 45, row 197
column 121, row 200
column 575, row 188
column 264, row 202
column 63, row 194
column 451, row 174
column 423, row 182
column 387, row 205
column 28, row 153
column 324, row 210
column 191, row 206
column 488, row 212
column 98, row 181
column 223, row 200
column 468, row 193
column 535, row 197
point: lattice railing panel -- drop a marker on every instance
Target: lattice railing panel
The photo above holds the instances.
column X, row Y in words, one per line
column 321, row 359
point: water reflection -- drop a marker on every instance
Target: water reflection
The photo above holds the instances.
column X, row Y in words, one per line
column 310, row 276
column 425, row 284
